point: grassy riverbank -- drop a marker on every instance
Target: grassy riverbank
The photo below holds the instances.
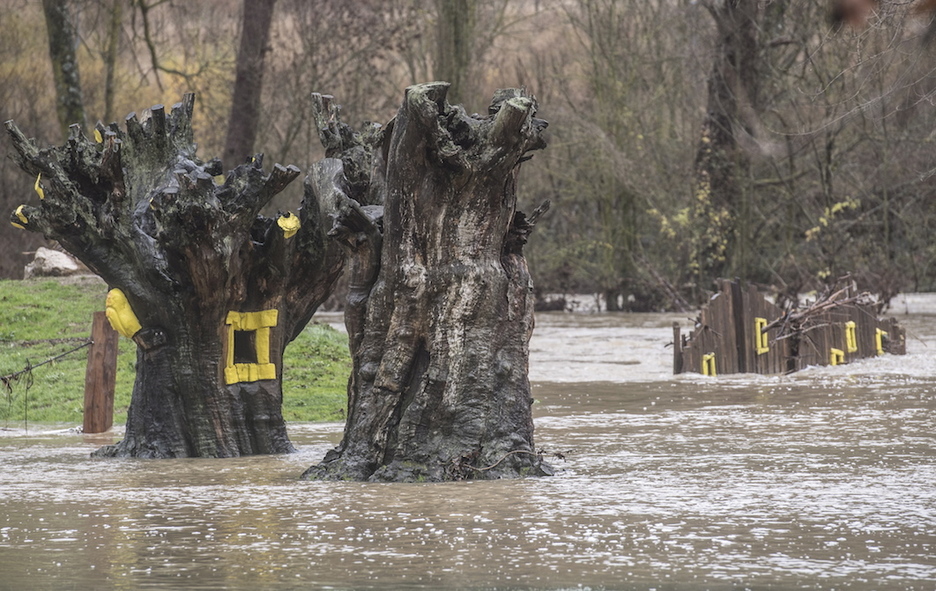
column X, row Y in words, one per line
column 42, row 319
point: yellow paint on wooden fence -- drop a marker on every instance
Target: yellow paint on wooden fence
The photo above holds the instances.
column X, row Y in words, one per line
column 879, row 336
column 836, row 356
column 760, row 336
column 851, row 336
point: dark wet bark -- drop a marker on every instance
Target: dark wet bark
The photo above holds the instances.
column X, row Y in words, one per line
column 195, row 261
column 441, row 302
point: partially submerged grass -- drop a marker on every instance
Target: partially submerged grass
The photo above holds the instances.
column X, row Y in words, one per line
column 316, row 367
column 32, row 313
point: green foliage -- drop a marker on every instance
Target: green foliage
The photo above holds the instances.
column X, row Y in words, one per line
column 32, row 313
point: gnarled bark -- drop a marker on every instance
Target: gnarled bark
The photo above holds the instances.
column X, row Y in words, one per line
column 218, row 289
column 441, row 305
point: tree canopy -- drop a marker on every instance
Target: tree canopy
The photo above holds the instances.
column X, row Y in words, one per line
column 822, row 119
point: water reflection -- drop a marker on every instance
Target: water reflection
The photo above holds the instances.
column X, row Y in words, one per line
column 823, row 479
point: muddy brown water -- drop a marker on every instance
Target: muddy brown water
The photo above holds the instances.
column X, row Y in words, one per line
column 825, row 479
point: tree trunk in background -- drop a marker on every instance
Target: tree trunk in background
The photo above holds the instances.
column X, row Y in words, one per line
column 213, row 290
column 721, row 165
column 62, row 44
column 455, row 34
column 248, row 83
column 110, row 57
column 441, row 305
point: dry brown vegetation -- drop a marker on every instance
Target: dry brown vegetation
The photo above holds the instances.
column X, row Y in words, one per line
column 826, row 131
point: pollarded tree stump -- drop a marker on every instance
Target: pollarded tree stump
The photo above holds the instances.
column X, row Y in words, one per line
column 441, row 305
column 210, row 290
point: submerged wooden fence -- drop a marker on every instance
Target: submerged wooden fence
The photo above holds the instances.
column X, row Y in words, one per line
column 739, row 331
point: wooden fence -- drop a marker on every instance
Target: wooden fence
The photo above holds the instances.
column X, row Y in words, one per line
column 730, row 336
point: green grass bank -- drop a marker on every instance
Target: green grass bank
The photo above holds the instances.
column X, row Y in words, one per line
column 40, row 319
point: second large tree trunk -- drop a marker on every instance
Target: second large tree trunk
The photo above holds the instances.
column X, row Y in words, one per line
column 439, row 335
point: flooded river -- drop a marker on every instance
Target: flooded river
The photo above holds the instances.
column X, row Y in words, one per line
column 825, row 479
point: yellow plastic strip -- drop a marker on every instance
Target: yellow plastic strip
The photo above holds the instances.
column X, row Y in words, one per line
column 22, row 217
column 760, row 336
column 879, row 336
column 836, row 356
column 266, row 371
column 230, row 349
column 120, row 314
column 289, row 224
column 708, row 365
column 263, row 345
column 38, row 187
column 253, row 320
column 259, row 322
column 249, row 372
column 851, row 337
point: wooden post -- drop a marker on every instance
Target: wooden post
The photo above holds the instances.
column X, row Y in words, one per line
column 100, row 376
column 742, row 319
column 677, row 350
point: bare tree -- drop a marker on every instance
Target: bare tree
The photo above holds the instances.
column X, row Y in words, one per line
column 620, row 149
column 455, row 44
column 62, row 43
column 248, row 83
column 721, row 164
column 114, row 26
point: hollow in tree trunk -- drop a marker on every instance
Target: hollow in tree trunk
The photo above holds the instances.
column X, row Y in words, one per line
column 210, row 290
column 441, row 302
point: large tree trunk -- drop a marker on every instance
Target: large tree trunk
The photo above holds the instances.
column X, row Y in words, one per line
column 721, row 165
column 217, row 290
column 62, row 42
column 248, row 82
column 441, row 305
